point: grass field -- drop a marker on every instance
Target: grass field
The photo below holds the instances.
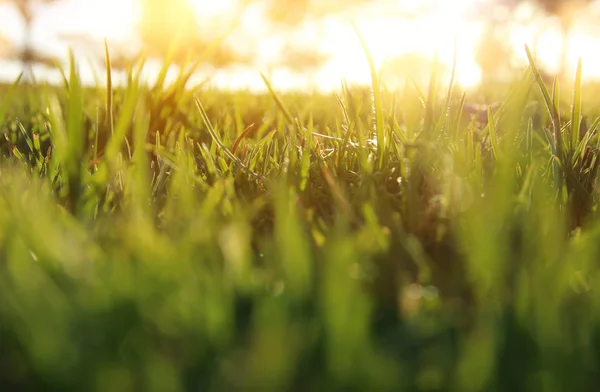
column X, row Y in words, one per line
column 170, row 238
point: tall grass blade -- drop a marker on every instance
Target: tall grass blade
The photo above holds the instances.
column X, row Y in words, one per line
column 277, row 100
column 576, row 109
column 493, row 134
column 555, row 119
column 220, row 144
column 109, row 90
column 445, row 118
column 7, row 97
column 305, row 160
column 75, row 137
column 549, row 102
column 377, row 101
column 430, row 106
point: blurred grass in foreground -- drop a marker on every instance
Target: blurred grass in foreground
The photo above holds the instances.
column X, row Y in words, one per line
column 170, row 238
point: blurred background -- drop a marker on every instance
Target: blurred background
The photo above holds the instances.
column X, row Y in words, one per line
column 303, row 44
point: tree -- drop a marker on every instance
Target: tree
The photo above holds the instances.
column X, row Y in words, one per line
column 28, row 55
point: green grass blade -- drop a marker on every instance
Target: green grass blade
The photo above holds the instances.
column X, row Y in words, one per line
column 421, row 94
column 7, row 97
column 461, row 106
column 493, row 134
column 123, row 123
column 576, row 109
column 377, row 101
column 305, row 160
column 447, row 107
column 109, row 90
column 277, row 100
column 220, row 144
column 555, row 119
column 549, row 102
column 429, row 108
column 75, row 138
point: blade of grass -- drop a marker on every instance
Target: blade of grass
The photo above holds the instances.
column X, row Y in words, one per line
column 377, row 101
column 429, row 108
column 277, row 100
column 109, row 90
column 420, row 93
column 220, row 144
column 75, row 138
column 445, row 117
column 576, row 109
column 461, row 107
column 8, row 96
column 305, row 160
column 25, row 135
column 493, row 135
column 244, row 133
column 554, row 118
column 549, row 102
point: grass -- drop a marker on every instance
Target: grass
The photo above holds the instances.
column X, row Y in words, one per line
column 173, row 238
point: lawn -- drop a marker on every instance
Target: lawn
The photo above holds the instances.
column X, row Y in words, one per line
column 167, row 237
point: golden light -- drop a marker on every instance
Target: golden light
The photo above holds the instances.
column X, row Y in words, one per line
column 391, row 29
column 113, row 19
column 548, row 49
column 213, row 8
column 389, row 37
column 579, row 47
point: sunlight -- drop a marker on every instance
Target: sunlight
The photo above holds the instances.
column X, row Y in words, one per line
column 213, row 8
column 579, row 47
column 389, row 38
column 398, row 33
column 113, row 19
column 548, row 50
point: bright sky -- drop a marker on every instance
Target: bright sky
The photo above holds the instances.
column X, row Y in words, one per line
column 386, row 25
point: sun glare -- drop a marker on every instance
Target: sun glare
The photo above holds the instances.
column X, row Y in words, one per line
column 113, row 19
column 213, row 8
column 580, row 45
column 391, row 37
column 399, row 34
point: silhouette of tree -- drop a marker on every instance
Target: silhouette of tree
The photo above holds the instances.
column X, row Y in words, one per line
column 27, row 54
